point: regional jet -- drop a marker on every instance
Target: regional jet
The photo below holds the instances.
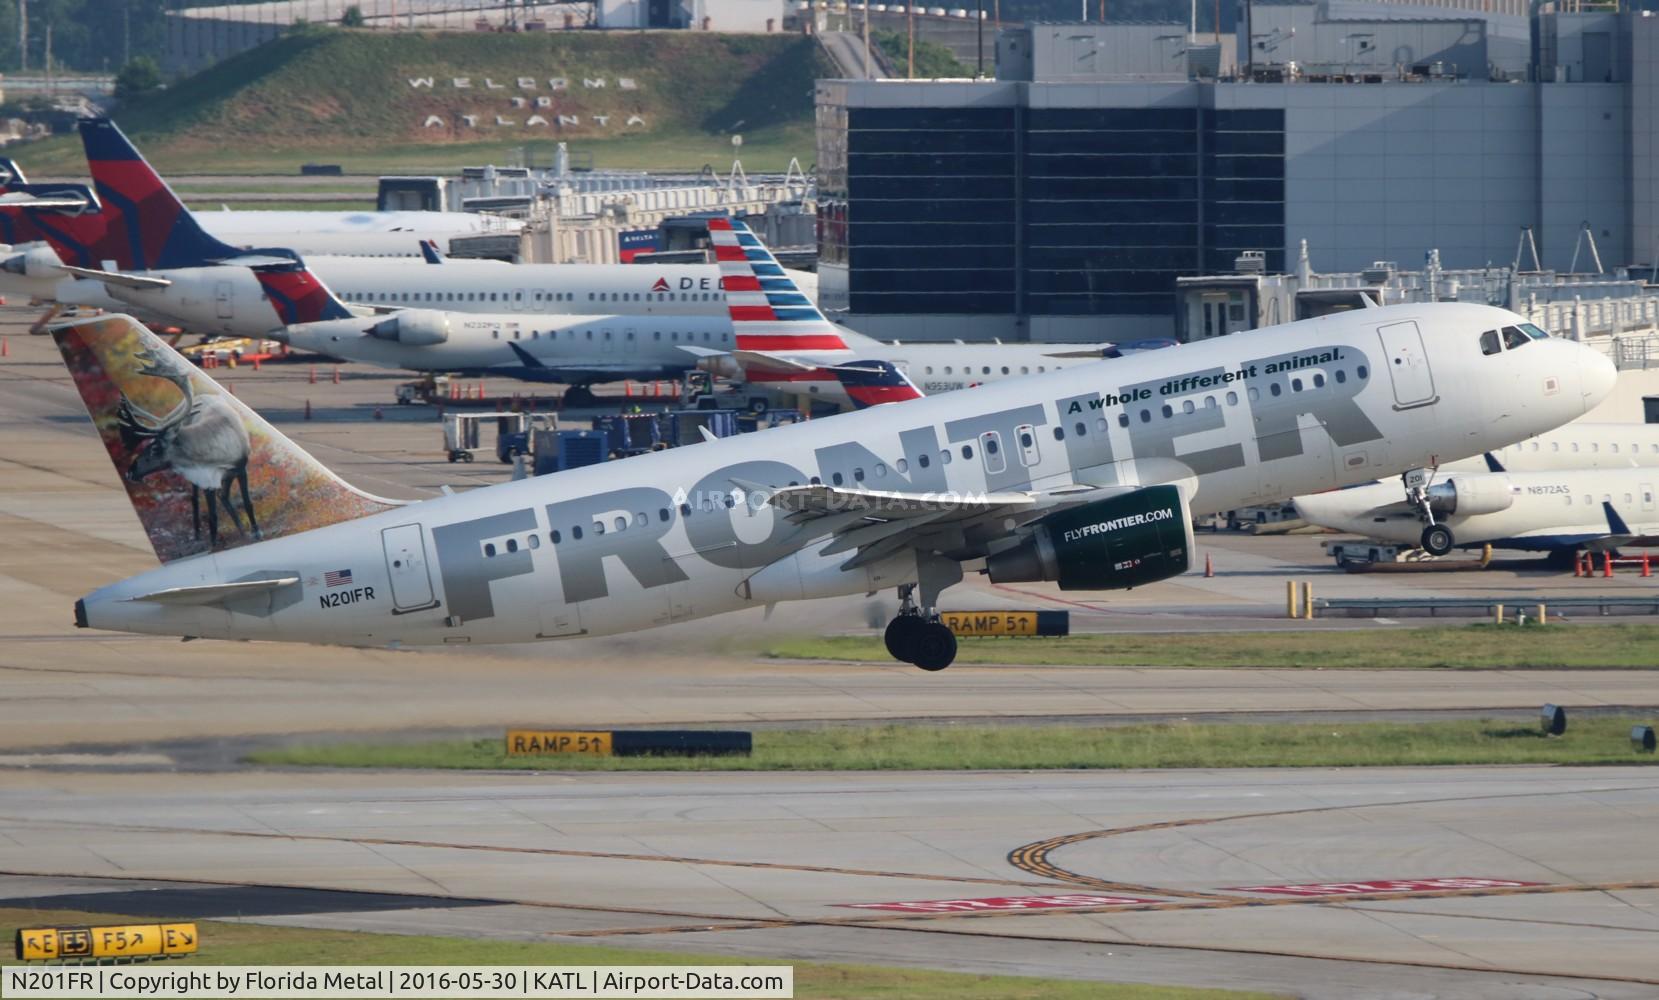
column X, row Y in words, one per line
column 1090, row 477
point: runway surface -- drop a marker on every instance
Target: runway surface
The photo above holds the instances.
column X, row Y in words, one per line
column 119, row 789
column 766, row 864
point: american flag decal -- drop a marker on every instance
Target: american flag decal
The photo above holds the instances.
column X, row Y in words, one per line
column 337, row 578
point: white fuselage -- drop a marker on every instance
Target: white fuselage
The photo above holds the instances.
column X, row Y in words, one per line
column 1562, row 509
column 573, row 349
column 356, row 234
column 687, row 533
column 1581, row 444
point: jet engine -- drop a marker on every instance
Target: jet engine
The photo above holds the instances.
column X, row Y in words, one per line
column 36, row 262
column 1468, row 495
column 1139, row 537
column 413, row 327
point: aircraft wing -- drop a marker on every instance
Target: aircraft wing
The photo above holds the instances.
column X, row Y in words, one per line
column 139, row 281
column 874, row 524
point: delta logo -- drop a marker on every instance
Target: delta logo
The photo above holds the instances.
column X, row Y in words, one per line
column 660, row 286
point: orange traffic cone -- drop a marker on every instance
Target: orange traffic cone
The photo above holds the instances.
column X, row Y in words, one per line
column 256, row 362
column 313, row 377
column 1209, row 566
column 1578, row 565
column 336, row 376
column 5, row 347
column 1646, row 570
column 1607, row 564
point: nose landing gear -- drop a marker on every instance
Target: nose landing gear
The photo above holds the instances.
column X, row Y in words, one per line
column 1436, row 539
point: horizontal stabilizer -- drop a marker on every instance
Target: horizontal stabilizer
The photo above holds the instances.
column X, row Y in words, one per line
column 23, row 199
column 215, row 593
column 1615, row 523
column 1492, row 463
column 138, row 281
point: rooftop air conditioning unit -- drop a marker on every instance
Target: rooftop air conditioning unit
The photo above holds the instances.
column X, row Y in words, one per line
column 1251, row 262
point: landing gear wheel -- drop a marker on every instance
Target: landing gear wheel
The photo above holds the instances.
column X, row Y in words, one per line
column 580, row 395
column 1437, row 539
column 901, row 637
column 934, row 646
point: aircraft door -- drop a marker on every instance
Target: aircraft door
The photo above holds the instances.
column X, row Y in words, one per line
column 518, row 300
column 406, row 566
column 225, row 298
column 1408, row 365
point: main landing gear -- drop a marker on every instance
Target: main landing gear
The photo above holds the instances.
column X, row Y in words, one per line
column 1436, row 539
column 917, row 635
column 913, row 638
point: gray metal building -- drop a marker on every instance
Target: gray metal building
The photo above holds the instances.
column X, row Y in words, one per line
column 1063, row 204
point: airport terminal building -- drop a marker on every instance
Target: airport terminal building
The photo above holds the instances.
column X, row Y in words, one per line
column 1061, row 201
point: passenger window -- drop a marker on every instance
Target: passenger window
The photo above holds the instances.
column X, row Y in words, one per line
column 922, row 460
column 1168, row 411
column 512, row 545
column 1295, row 385
column 991, row 443
column 1100, row 424
column 1186, row 406
column 836, row 478
column 555, row 536
column 1318, row 380
column 1026, row 434
column 1059, row 433
column 1232, row 397
column 535, row 541
column 489, row 550
column 967, row 451
column 1489, row 343
column 1123, row 420
column 1362, row 372
column 1146, row 416
column 1276, row 389
column 1341, row 375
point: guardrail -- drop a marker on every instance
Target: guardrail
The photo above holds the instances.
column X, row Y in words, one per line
column 1467, row 607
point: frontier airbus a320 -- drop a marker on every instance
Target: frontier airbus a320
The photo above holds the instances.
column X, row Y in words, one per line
column 1089, row 477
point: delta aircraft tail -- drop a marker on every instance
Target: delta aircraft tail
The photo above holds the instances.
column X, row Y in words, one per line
column 872, row 383
column 297, row 295
column 203, row 472
column 149, row 226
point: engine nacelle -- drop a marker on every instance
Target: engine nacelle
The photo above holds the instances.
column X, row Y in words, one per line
column 414, row 327
column 1469, row 495
column 1114, row 544
column 35, row 262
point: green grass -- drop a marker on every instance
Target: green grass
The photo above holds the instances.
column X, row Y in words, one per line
column 343, row 97
column 933, row 61
column 253, row 944
column 1468, row 647
column 953, row 747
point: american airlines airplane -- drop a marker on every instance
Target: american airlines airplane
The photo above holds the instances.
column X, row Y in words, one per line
column 1089, row 477
column 143, row 249
column 584, row 348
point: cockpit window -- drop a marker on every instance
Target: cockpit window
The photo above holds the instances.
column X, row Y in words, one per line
column 1534, row 332
column 1513, row 337
column 1489, row 342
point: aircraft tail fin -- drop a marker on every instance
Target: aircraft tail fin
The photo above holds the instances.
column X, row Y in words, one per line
column 158, row 230
column 871, row 383
column 204, row 473
column 430, row 252
column 297, row 295
column 768, row 311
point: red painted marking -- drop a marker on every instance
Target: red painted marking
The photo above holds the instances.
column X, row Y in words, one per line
column 1001, row 903
column 757, row 374
column 787, row 341
column 875, row 395
column 725, row 253
column 754, row 314
column 740, row 283
column 719, row 223
column 1385, row 885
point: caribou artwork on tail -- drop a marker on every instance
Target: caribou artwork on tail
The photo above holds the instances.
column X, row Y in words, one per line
column 202, row 440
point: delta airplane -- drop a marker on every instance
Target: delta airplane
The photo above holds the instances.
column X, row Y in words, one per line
column 369, row 234
column 142, row 248
column 1089, row 477
column 581, row 349
column 1557, row 512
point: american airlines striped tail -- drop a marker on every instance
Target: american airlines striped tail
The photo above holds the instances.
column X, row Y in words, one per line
column 769, row 313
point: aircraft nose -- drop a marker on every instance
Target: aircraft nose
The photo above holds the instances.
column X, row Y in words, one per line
column 1596, row 377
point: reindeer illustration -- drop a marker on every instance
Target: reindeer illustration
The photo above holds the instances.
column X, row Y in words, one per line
column 201, row 439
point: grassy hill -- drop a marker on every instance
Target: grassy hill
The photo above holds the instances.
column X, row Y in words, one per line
column 667, row 99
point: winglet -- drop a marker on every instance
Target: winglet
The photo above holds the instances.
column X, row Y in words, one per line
column 297, row 295
column 768, row 311
column 529, row 360
column 1615, row 523
column 204, row 473
column 1492, row 463
column 11, row 173
column 872, row 383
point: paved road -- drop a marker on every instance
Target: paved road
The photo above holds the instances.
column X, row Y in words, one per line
column 766, row 864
